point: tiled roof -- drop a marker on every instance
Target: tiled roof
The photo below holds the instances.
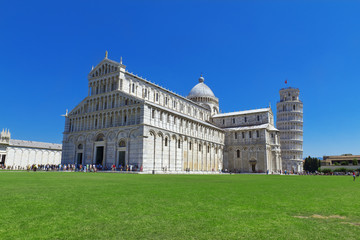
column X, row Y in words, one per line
column 254, row 127
column 32, row 144
column 241, row 112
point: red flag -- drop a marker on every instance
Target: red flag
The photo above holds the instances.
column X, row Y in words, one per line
column 286, row 81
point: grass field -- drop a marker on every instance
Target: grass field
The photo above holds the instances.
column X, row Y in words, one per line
column 45, row 205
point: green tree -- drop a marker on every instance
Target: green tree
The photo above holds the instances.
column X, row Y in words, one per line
column 311, row 164
column 355, row 161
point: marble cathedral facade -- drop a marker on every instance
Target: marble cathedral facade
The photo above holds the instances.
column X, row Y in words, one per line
column 128, row 120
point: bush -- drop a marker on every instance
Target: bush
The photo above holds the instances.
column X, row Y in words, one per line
column 344, row 163
column 326, row 170
column 337, row 164
column 341, row 170
column 355, row 162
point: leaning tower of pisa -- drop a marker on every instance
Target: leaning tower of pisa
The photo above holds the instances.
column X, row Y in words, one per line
column 289, row 121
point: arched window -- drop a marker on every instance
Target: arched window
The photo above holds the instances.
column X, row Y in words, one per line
column 189, row 145
column 238, row 153
column 179, row 144
column 199, row 147
column 122, row 143
column 166, row 142
column 208, row 149
column 100, row 138
column 249, row 134
column 293, row 107
column 133, row 88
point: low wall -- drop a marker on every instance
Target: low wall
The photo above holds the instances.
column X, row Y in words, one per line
column 333, row 167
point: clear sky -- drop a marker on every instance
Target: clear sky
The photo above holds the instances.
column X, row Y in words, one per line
column 245, row 49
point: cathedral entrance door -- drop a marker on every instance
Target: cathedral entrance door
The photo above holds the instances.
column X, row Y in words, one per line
column 122, row 158
column 99, row 155
column 253, row 165
column 79, row 158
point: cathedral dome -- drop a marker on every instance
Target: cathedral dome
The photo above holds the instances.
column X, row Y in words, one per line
column 201, row 90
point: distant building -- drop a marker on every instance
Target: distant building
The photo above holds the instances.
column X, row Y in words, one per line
column 289, row 121
column 340, row 159
column 19, row 153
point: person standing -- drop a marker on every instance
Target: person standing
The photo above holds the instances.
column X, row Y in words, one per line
column 354, row 175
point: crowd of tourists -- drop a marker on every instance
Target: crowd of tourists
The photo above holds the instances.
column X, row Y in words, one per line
column 73, row 167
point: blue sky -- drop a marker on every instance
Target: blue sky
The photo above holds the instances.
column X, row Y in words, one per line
column 245, row 49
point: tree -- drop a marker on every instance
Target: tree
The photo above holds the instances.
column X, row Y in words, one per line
column 355, row 161
column 311, row 164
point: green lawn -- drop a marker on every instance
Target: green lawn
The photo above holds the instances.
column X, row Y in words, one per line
column 44, row 205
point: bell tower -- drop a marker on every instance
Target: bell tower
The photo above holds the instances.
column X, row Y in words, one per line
column 289, row 121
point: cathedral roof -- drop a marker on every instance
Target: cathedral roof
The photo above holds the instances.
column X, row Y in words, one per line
column 33, row 144
column 260, row 110
column 201, row 90
column 268, row 126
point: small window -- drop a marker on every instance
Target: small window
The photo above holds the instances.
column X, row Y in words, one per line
column 153, row 114
column 272, row 135
column 189, row 145
column 126, row 102
column 161, row 116
column 245, row 119
column 238, row 153
column 199, row 147
column 257, row 133
column 243, row 134
column 166, row 142
column 233, row 120
column 249, row 134
column 208, row 149
column 166, row 101
column 258, row 118
column 235, row 135
column 294, row 107
column 179, row 143
column 157, row 97
column 223, row 121
column 174, row 104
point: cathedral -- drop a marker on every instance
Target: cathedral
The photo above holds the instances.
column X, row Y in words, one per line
column 127, row 120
